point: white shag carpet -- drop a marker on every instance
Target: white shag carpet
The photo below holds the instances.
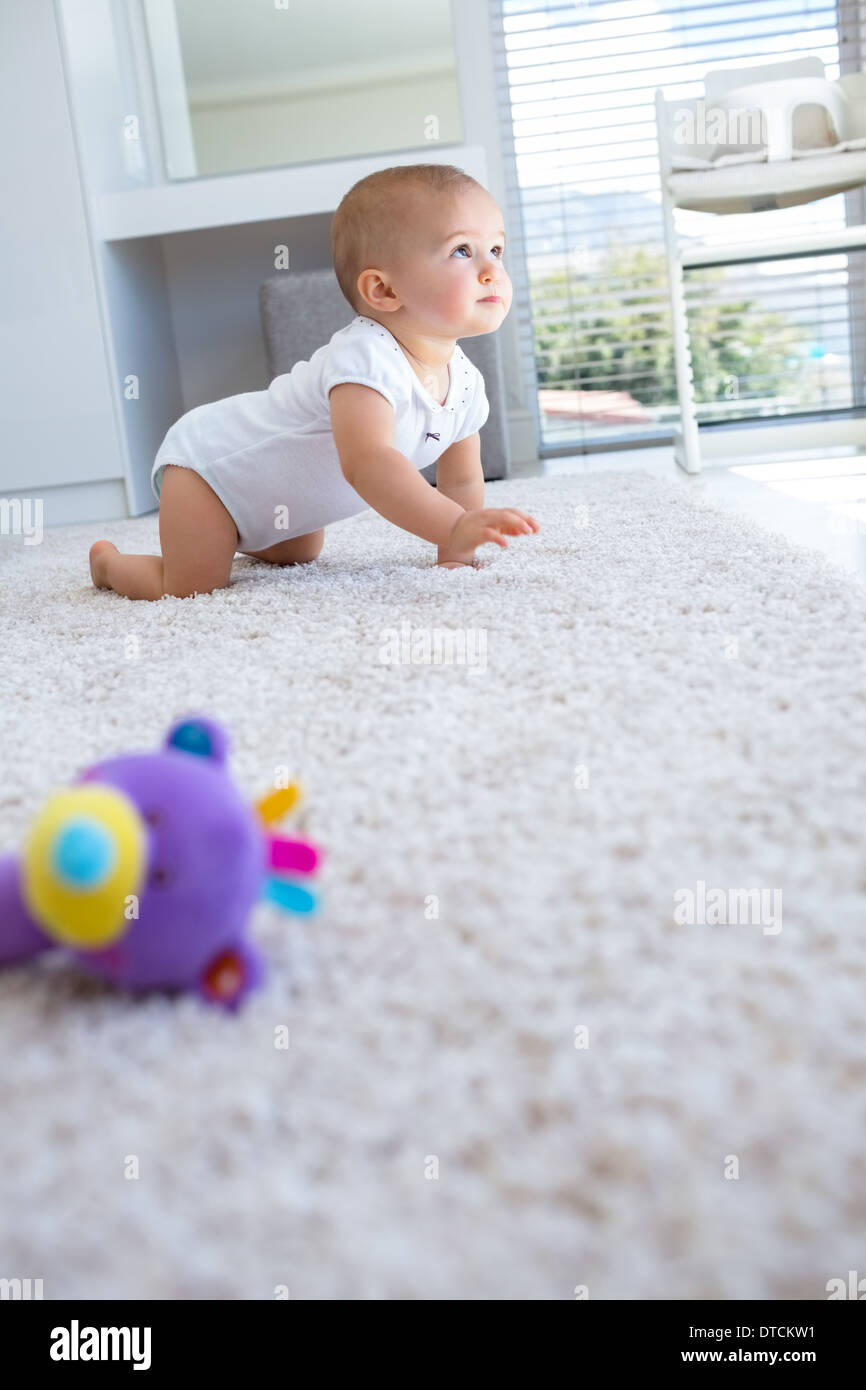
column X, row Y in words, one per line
column 709, row 679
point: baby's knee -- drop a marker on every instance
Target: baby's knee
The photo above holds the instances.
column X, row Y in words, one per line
column 309, row 547
column 298, row 551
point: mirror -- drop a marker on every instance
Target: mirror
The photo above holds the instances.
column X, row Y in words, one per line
column 254, row 84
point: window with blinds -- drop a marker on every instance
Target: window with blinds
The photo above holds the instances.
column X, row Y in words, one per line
column 577, row 84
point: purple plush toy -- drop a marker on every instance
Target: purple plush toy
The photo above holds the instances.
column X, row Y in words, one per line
column 147, row 869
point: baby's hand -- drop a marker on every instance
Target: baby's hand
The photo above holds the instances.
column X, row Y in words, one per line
column 491, row 524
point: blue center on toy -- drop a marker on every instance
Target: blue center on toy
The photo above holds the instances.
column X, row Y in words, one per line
column 192, row 738
column 84, row 853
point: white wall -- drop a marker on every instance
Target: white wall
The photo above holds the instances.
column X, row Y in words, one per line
column 58, row 403
column 342, row 123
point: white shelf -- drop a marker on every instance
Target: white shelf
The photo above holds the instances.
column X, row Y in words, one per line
column 233, row 199
column 774, row 249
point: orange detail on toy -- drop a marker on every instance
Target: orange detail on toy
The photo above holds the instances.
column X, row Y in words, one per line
column 225, row 977
column 274, row 806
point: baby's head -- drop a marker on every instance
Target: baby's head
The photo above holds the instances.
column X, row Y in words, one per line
column 423, row 243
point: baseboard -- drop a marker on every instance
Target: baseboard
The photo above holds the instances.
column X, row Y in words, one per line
column 104, row 500
column 731, row 443
column 522, row 438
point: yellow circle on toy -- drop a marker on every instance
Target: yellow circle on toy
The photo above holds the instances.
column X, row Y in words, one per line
column 85, row 855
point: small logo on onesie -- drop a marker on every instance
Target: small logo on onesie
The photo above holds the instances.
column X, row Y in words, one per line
column 430, row 436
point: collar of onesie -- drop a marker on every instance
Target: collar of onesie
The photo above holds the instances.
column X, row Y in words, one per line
column 458, row 362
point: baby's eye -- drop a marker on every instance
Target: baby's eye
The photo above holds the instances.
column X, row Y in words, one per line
column 466, row 248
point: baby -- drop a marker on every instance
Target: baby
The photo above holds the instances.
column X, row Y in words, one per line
column 417, row 251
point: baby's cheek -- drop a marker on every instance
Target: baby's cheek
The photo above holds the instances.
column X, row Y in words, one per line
column 467, row 289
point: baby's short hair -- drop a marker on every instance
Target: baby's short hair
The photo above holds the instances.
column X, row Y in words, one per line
column 366, row 227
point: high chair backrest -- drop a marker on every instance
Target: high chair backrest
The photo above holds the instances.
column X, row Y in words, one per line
column 675, row 118
column 722, row 80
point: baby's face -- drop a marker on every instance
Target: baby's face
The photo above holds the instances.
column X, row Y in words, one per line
column 452, row 266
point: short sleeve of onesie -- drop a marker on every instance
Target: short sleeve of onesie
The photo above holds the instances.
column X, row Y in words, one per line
column 368, row 356
column 477, row 415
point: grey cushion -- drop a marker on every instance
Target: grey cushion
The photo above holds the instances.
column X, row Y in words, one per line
column 301, row 310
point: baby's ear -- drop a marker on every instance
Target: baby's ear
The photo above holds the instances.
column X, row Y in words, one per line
column 202, row 737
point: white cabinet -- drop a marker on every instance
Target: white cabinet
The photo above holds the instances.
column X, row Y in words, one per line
column 128, row 298
column 60, row 429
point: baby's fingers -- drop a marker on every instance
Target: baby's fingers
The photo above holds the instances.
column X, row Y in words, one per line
column 490, row 533
column 516, row 523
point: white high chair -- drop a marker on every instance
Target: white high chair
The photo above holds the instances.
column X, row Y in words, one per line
column 815, row 145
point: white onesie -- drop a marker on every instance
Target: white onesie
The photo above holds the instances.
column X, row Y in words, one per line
column 270, row 455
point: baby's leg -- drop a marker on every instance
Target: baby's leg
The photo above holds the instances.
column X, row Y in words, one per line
column 295, row 552
column 198, row 539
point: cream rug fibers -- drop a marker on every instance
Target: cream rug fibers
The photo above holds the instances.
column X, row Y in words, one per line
column 554, row 1084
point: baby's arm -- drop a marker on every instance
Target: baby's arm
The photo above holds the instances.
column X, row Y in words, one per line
column 364, row 427
column 459, row 475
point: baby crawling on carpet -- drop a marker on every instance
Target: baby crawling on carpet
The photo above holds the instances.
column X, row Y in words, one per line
column 417, row 251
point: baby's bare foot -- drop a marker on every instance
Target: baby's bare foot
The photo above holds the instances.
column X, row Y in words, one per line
column 98, row 556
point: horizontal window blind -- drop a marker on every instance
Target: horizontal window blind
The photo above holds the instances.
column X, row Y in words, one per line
column 577, row 87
